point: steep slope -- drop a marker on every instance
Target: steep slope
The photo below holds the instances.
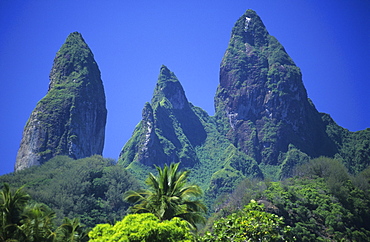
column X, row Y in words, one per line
column 261, row 102
column 173, row 130
column 353, row 147
column 70, row 119
column 169, row 130
column 264, row 125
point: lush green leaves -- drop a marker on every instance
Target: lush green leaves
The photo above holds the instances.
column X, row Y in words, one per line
column 11, row 207
column 89, row 188
column 169, row 196
column 323, row 203
column 22, row 220
column 143, row 227
column 250, row 224
column 322, row 208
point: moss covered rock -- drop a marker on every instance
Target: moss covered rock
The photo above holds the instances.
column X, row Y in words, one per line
column 70, row 119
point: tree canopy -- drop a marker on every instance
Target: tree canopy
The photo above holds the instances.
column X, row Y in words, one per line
column 143, row 227
column 251, row 223
column 168, row 196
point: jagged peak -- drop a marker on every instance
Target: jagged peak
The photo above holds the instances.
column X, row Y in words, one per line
column 72, row 58
column 166, row 75
column 75, row 38
column 70, row 119
column 250, row 29
column 74, row 45
column 170, row 88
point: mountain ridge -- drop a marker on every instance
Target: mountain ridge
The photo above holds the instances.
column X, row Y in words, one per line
column 264, row 123
column 261, row 88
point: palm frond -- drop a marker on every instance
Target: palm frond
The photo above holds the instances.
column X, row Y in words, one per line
column 169, row 196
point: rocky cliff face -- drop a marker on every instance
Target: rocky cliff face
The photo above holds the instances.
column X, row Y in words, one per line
column 169, row 130
column 70, row 119
column 173, row 130
column 261, row 102
column 264, row 124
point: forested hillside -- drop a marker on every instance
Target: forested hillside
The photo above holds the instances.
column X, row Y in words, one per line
column 266, row 167
column 90, row 188
column 322, row 202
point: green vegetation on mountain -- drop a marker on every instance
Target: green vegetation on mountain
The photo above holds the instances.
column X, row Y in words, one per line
column 297, row 174
column 24, row 220
column 353, row 147
column 169, row 131
column 261, row 103
column 251, row 223
column 169, row 196
column 70, row 119
column 143, row 227
column 323, row 202
column 90, row 189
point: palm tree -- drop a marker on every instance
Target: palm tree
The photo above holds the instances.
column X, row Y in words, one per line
column 11, row 207
column 37, row 222
column 72, row 231
column 169, row 196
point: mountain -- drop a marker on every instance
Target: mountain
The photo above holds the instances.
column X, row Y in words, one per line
column 261, row 102
column 264, row 123
column 264, row 127
column 169, row 130
column 173, row 130
column 70, row 119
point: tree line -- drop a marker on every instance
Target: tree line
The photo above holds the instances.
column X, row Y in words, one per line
column 321, row 202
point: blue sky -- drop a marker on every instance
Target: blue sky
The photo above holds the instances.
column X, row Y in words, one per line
column 329, row 40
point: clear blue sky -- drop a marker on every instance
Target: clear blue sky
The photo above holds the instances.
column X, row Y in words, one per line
column 329, row 40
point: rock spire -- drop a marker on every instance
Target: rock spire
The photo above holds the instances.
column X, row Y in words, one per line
column 261, row 101
column 169, row 129
column 70, row 119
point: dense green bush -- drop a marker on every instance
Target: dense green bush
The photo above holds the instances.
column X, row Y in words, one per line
column 24, row 220
column 323, row 203
column 89, row 188
column 250, row 224
column 142, row 227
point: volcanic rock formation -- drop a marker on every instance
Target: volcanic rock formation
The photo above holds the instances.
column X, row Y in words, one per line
column 70, row 119
column 261, row 102
column 169, row 131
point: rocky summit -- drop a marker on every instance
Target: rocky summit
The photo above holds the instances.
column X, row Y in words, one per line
column 70, row 119
column 261, row 102
column 264, row 123
column 169, row 131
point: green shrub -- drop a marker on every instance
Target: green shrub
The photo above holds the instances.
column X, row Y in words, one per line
column 142, row 227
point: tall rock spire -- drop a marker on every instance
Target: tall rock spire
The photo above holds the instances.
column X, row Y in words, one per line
column 169, row 130
column 169, row 87
column 261, row 102
column 70, row 119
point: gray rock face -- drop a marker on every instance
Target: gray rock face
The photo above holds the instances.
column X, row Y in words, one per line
column 70, row 119
column 169, row 130
column 261, row 101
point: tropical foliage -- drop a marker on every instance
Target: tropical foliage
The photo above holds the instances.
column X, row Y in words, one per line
column 11, row 207
column 143, row 227
column 322, row 203
column 24, row 220
column 168, row 196
column 90, row 189
column 250, row 224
